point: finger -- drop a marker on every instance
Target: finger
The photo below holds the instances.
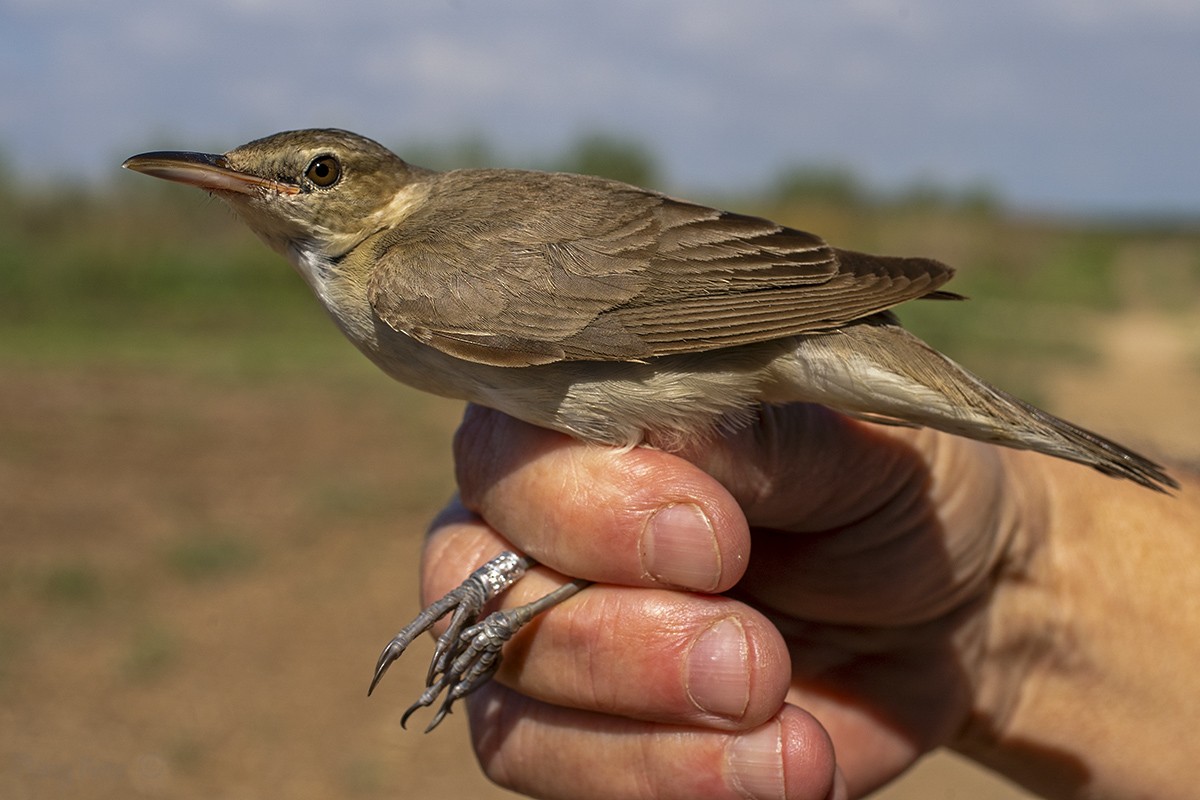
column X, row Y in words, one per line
column 551, row 752
column 636, row 517
column 666, row 656
column 899, row 526
column 802, row 467
column 798, row 467
column 873, row 747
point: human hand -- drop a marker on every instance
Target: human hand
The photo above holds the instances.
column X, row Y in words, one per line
column 875, row 554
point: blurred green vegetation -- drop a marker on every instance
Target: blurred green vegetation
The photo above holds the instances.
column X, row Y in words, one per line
column 150, row 653
column 207, row 556
column 154, row 273
column 610, row 155
column 76, row 584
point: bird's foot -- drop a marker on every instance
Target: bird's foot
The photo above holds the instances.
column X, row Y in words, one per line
column 468, row 653
column 473, row 659
column 476, row 656
column 466, row 601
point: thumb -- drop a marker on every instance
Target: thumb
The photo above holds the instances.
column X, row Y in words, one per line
column 802, row 467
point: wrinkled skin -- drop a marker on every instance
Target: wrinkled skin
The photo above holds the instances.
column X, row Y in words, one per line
column 863, row 605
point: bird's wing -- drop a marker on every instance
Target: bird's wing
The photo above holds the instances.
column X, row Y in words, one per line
column 570, row 268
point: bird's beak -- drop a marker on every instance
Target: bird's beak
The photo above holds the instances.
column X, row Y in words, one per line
column 203, row 170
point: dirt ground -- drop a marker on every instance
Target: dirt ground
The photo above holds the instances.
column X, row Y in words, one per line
column 197, row 573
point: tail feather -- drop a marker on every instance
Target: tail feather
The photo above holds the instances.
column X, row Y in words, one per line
column 1097, row 451
column 881, row 372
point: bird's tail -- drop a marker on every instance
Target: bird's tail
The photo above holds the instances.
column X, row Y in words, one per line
column 878, row 371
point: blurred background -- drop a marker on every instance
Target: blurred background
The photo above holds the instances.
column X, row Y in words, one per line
column 211, row 505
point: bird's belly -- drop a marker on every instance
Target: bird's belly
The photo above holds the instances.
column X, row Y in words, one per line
column 666, row 401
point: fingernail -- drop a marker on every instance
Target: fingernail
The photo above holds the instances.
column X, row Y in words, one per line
column 680, row 548
column 756, row 763
column 718, row 675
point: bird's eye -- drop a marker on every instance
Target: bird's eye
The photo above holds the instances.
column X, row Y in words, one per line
column 324, row 171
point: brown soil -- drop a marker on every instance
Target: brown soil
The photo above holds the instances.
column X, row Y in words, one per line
column 196, row 575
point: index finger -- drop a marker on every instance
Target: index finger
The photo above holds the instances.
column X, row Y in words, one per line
column 637, row 517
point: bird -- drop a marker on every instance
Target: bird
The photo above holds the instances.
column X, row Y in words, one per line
column 615, row 314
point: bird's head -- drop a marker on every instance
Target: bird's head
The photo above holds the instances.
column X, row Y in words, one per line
column 309, row 194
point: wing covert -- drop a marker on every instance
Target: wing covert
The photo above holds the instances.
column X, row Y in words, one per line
column 568, row 267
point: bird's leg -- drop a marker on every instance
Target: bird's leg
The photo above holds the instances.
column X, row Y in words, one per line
column 468, row 653
column 477, row 655
column 466, row 601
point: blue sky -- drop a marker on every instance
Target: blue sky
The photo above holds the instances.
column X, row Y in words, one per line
column 1071, row 105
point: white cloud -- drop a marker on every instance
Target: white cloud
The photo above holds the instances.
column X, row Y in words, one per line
column 1051, row 99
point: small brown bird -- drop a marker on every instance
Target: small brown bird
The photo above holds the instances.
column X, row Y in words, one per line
column 612, row 313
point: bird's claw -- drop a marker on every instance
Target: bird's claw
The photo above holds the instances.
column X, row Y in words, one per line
column 467, row 654
column 470, row 665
